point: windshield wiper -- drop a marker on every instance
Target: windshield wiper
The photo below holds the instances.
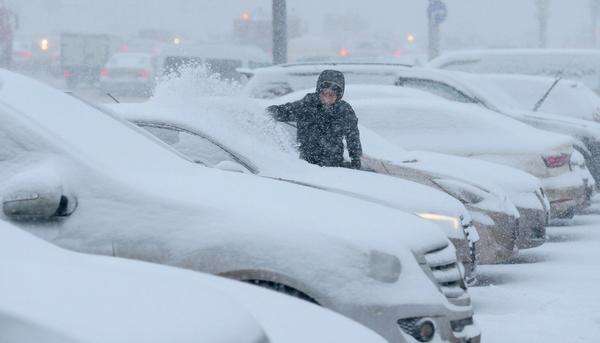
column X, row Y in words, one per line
column 541, row 101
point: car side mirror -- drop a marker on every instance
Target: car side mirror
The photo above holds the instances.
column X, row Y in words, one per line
column 231, row 166
column 36, row 197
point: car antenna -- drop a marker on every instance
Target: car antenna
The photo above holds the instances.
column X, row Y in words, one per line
column 114, row 99
column 541, row 101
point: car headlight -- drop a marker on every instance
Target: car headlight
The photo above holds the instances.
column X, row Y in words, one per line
column 384, row 267
column 453, row 222
column 451, row 225
column 466, row 193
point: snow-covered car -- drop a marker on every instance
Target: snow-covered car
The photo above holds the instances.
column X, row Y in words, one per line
column 470, row 131
column 578, row 105
column 55, row 295
column 129, row 74
column 576, row 64
column 478, row 89
column 236, row 134
column 88, row 181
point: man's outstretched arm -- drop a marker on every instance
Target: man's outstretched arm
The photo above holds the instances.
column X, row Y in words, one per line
column 285, row 112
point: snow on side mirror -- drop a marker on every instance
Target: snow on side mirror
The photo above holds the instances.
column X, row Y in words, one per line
column 36, row 195
column 231, row 166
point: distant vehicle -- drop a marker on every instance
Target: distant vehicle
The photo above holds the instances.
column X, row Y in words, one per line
column 86, row 180
column 144, row 302
column 221, row 59
column 22, row 54
column 84, row 55
column 129, row 74
column 581, row 65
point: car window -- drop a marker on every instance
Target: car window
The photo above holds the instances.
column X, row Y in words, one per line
column 195, row 147
column 437, row 88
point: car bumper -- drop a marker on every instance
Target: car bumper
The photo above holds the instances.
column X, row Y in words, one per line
column 127, row 87
column 498, row 234
column 565, row 201
column 386, row 320
column 532, row 227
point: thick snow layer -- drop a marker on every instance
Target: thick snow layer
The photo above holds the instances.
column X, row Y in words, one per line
column 127, row 177
column 229, row 126
column 151, row 303
column 568, row 98
column 548, row 294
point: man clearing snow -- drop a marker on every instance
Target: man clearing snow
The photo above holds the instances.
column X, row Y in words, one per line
column 324, row 120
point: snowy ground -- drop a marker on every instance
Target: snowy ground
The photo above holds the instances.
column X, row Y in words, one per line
column 550, row 293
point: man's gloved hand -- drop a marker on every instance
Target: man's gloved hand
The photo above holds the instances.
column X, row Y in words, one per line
column 355, row 164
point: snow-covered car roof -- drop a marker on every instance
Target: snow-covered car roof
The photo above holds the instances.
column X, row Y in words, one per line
column 246, row 130
column 564, row 97
column 68, row 293
column 580, row 64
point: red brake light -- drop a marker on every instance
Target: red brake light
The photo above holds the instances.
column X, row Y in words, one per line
column 25, row 54
column 556, row 160
column 124, row 48
column 103, row 72
column 144, row 73
column 67, row 74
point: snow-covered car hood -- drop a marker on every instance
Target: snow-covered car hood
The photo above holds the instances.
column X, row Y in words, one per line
column 273, row 161
column 68, row 292
column 221, row 204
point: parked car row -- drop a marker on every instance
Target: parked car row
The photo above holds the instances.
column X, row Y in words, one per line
column 84, row 179
column 456, row 172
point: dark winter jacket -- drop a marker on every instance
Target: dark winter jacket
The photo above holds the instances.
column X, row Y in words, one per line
column 321, row 130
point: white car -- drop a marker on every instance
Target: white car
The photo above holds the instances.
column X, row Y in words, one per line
column 578, row 106
column 88, row 181
column 55, row 295
column 576, row 64
column 129, row 74
column 470, row 131
column 480, row 90
column 232, row 134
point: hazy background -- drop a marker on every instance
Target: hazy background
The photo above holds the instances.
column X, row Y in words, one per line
column 491, row 23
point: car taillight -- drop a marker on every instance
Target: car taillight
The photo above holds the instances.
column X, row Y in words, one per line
column 25, row 54
column 144, row 73
column 103, row 72
column 556, row 161
column 67, row 74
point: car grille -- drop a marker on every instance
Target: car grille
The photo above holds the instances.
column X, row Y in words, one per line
column 446, row 272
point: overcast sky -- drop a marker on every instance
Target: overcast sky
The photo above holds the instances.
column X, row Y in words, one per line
column 476, row 22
